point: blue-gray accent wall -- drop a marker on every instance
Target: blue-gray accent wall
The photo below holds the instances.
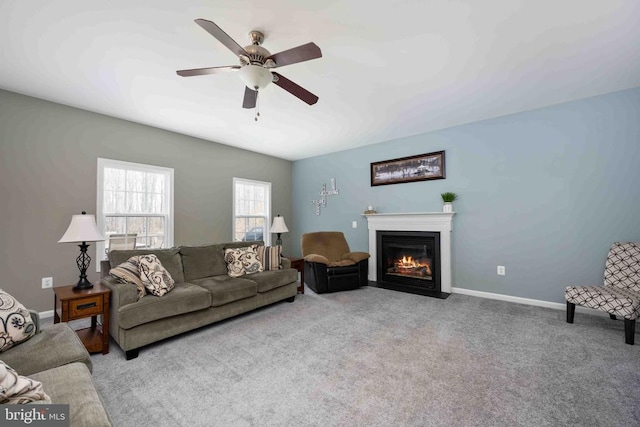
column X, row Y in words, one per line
column 542, row 192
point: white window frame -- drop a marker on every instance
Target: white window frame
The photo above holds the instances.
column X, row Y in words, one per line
column 138, row 167
column 266, row 234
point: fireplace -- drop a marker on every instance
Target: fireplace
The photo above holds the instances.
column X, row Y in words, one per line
column 426, row 238
column 409, row 260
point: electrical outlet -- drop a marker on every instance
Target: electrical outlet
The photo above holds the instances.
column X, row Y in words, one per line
column 501, row 270
column 354, row 224
column 47, row 282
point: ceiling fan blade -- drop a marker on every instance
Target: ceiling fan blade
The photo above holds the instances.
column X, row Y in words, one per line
column 294, row 89
column 209, row 70
column 250, row 97
column 222, row 37
column 297, row 54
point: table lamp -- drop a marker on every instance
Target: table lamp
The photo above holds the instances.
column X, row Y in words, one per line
column 279, row 227
column 82, row 229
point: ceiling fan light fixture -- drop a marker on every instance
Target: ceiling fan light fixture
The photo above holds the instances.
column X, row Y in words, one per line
column 255, row 64
column 255, row 77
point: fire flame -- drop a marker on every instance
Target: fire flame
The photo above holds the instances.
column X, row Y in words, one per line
column 408, row 263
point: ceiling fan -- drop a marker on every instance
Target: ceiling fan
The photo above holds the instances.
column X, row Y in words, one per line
column 256, row 63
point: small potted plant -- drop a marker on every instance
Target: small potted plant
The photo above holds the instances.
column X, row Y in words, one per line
column 448, row 199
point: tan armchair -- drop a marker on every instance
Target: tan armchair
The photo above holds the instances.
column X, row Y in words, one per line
column 329, row 264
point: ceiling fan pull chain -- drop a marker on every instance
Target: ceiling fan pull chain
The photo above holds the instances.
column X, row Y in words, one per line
column 257, row 105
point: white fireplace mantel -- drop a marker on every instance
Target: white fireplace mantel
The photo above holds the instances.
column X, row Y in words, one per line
column 420, row 221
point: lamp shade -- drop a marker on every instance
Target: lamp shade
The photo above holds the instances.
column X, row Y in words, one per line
column 82, row 228
column 278, row 225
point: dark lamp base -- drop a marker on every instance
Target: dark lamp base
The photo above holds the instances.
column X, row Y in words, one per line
column 83, row 284
column 83, row 261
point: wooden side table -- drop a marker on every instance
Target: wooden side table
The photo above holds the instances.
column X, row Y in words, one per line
column 298, row 264
column 73, row 305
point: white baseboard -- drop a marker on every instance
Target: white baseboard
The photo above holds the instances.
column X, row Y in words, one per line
column 528, row 301
column 480, row 294
column 45, row 314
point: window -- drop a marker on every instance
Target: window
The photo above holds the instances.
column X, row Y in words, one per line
column 134, row 199
column 251, row 210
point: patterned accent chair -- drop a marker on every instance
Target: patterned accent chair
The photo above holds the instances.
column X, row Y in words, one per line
column 620, row 295
column 329, row 264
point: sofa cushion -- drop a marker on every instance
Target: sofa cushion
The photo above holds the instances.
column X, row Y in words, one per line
column 225, row 289
column 18, row 389
column 184, row 298
column 242, row 261
column 270, row 257
column 129, row 273
column 55, row 345
column 154, row 276
column 202, row 261
column 170, row 259
column 268, row 280
column 72, row 384
column 16, row 325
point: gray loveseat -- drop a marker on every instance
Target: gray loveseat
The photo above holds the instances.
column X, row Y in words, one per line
column 56, row 357
column 203, row 294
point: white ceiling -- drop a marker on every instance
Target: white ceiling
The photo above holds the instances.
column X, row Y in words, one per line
column 389, row 69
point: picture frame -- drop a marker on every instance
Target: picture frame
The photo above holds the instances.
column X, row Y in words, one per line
column 423, row 167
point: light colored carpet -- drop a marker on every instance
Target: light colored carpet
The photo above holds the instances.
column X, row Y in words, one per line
column 375, row 357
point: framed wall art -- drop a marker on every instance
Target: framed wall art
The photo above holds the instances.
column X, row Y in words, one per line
column 422, row 167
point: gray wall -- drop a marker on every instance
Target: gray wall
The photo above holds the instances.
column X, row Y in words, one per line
column 48, row 166
column 544, row 193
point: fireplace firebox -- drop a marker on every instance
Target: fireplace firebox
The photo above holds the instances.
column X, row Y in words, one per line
column 409, row 261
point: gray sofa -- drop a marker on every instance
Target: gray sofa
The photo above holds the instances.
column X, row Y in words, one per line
column 203, row 294
column 56, row 357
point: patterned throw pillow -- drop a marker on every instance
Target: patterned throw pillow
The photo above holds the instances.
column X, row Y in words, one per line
column 16, row 389
column 154, row 276
column 129, row 272
column 269, row 257
column 16, row 324
column 242, row 261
